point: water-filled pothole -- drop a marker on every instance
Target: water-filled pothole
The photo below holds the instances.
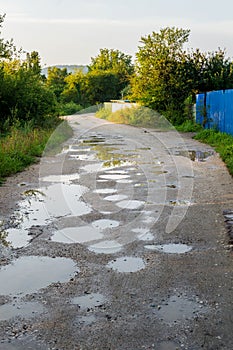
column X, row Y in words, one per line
column 127, row 264
column 80, row 234
column 114, row 176
column 103, row 224
column 116, row 197
column 20, row 309
column 170, row 248
column 28, row 274
column 106, row 247
column 89, row 301
column 130, row 204
column 178, row 309
column 105, row 191
column 198, row 156
column 67, row 178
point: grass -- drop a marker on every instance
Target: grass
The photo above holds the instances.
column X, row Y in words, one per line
column 189, row 126
column 22, row 146
column 136, row 116
column 222, row 143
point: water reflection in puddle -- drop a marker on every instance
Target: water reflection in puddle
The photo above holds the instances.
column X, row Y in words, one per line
column 66, row 179
column 170, row 248
column 168, row 345
column 130, row 204
column 105, row 191
column 17, row 238
column 77, row 235
column 178, row 309
column 28, row 274
column 143, row 234
column 116, row 197
column 106, row 247
column 127, row 264
column 20, row 309
column 114, row 177
column 89, row 301
column 198, row 156
column 103, row 224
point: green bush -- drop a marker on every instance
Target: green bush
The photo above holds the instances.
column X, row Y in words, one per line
column 69, row 108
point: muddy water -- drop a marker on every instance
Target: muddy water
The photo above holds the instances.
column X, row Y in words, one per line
column 127, row 264
column 28, row 274
column 170, row 248
column 20, row 309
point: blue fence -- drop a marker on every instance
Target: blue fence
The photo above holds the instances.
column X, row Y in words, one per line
column 215, row 110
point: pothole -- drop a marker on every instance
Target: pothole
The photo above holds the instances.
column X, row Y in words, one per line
column 170, row 248
column 116, row 197
column 178, row 309
column 89, row 301
column 195, row 156
column 80, row 234
column 28, row 274
column 105, row 191
column 20, row 309
column 114, row 176
column 130, row 204
column 103, row 224
column 127, row 264
column 106, row 247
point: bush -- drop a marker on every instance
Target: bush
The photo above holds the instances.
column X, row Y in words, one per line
column 69, row 108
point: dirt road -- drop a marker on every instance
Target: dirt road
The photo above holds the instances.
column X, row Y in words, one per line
column 118, row 242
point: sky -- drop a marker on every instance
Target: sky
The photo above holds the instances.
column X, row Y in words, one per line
column 73, row 31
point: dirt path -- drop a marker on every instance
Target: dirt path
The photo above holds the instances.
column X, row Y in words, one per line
column 118, row 242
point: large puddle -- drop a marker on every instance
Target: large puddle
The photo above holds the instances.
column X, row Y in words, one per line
column 127, row 264
column 80, row 234
column 20, row 309
column 178, row 309
column 171, row 248
column 28, row 274
column 116, row 197
column 104, row 224
column 41, row 207
column 130, row 204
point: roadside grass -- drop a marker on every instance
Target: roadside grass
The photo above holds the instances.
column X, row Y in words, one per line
column 136, row 116
column 189, row 126
column 222, row 143
column 22, row 146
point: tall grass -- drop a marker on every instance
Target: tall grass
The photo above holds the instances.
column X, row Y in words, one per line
column 222, row 142
column 22, row 147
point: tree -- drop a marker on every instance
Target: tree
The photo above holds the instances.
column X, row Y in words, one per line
column 166, row 75
column 112, row 70
column 56, row 80
column 75, row 89
column 7, row 48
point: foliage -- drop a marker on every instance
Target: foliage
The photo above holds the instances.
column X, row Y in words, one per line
column 137, row 116
column 167, row 77
column 189, row 126
column 222, row 142
column 23, row 145
column 69, row 108
column 56, row 80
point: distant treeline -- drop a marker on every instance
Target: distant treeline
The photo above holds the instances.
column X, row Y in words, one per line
column 164, row 77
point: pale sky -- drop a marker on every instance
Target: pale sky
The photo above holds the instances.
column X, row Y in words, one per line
column 73, row 31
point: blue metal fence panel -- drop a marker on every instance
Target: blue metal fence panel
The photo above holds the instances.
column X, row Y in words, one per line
column 215, row 110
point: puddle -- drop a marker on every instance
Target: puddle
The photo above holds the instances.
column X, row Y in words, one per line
column 114, row 177
column 178, row 309
column 83, row 157
column 55, row 201
column 127, row 264
column 65, row 179
column 103, row 224
column 143, row 234
column 106, row 247
column 76, row 235
column 130, row 204
column 92, row 168
column 28, row 274
column 89, row 301
column 18, row 238
column 20, row 309
column 170, row 248
column 116, row 197
column 180, row 203
column 86, row 320
column 122, row 172
column 195, row 156
column 126, row 181
column 105, row 191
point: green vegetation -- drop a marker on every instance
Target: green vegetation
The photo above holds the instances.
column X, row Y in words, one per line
column 223, row 144
column 137, row 116
column 23, row 145
column 189, row 126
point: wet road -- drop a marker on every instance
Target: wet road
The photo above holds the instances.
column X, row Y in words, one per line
column 120, row 244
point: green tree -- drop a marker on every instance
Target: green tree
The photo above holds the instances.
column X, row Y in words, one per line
column 75, row 89
column 56, row 80
column 111, row 70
